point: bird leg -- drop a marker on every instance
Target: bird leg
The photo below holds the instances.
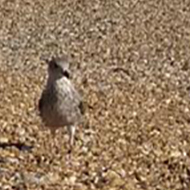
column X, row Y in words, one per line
column 55, row 142
column 53, row 132
column 71, row 130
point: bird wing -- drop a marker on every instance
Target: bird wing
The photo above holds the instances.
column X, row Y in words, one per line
column 80, row 102
column 77, row 100
column 81, row 107
column 40, row 104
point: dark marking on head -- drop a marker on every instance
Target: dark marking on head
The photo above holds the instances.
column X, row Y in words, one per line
column 53, row 63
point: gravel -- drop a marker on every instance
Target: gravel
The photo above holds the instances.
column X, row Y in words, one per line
column 130, row 60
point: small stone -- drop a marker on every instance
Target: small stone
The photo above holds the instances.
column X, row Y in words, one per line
column 4, row 140
column 72, row 180
column 175, row 154
column 122, row 173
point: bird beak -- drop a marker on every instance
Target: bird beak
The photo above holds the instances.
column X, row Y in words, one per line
column 66, row 73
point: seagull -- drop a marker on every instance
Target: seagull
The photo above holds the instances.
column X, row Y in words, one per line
column 60, row 104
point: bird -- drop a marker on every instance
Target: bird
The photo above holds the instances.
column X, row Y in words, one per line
column 60, row 104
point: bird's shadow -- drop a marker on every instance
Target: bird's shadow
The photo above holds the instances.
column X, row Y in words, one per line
column 20, row 146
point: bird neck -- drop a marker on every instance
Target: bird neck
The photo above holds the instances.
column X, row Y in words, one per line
column 54, row 78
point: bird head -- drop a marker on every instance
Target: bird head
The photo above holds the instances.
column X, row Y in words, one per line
column 58, row 67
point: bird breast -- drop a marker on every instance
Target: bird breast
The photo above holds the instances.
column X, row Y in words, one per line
column 64, row 90
column 67, row 101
